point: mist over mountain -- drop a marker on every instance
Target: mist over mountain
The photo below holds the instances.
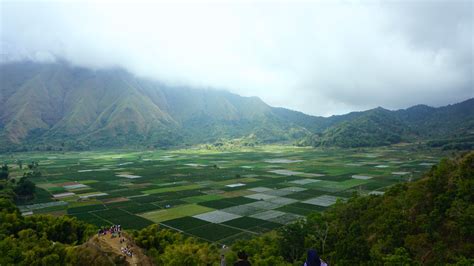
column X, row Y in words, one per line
column 60, row 105
column 319, row 57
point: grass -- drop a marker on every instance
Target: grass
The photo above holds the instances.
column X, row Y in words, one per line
column 141, row 208
column 145, row 199
column 202, row 198
column 171, row 189
column 218, row 204
column 176, row 212
column 87, row 208
column 110, row 213
column 240, row 200
column 238, row 180
column 130, row 221
column 91, row 218
column 185, row 223
column 213, row 232
column 50, row 209
column 297, row 210
column 244, row 222
column 170, row 203
column 333, row 186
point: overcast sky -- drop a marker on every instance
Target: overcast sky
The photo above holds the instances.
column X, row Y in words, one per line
column 321, row 57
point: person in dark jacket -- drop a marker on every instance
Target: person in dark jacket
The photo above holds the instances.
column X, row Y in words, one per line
column 313, row 258
column 243, row 259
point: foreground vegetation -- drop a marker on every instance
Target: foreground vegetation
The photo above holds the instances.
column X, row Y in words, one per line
column 429, row 221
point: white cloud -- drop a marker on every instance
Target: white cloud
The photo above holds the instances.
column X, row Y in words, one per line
column 317, row 57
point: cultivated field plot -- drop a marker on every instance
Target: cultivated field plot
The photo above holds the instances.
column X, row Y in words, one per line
column 216, row 196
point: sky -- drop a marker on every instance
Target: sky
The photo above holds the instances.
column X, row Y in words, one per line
column 318, row 57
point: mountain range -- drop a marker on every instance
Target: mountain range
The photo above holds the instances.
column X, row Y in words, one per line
column 57, row 105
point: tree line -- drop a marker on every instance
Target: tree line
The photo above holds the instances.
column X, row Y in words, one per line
column 23, row 189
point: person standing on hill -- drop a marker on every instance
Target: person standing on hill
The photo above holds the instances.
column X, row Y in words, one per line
column 313, row 259
column 243, row 259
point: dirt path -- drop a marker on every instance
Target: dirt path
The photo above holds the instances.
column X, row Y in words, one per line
column 114, row 245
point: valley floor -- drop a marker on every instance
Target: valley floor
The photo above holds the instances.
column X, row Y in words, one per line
column 217, row 196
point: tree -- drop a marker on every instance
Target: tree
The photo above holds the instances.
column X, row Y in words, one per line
column 263, row 250
column 25, row 188
column 291, row 240
column 4, row 171
column 400, row 257
column 318, row 229
column 34, row 171
column 153, row 237
column 189, row 253
column 167, row 247
column 39, row 239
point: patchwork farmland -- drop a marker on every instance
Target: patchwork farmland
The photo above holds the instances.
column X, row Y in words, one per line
column 216, row 196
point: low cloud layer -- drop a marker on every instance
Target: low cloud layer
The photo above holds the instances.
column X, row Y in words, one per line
column 320, row 57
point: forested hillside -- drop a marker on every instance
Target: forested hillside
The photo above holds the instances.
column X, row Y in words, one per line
column 375, row 127
column 453, row 124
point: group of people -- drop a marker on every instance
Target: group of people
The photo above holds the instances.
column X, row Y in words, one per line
column 312, row 259
column 127, row 251
column 114, row 230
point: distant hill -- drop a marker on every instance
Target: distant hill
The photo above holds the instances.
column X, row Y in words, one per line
column 376, row 127
column 56, row 105
column 451, row 120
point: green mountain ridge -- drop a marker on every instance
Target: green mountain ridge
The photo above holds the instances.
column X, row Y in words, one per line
column 55, row 103
column 59, row 105
column 377, row 127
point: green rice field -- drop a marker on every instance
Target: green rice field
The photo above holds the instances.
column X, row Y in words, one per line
column 213, row 195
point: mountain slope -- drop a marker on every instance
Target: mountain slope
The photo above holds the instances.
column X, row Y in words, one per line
column 375, row 127
column 440, row 122
column 58, row 105
column 56, row 101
